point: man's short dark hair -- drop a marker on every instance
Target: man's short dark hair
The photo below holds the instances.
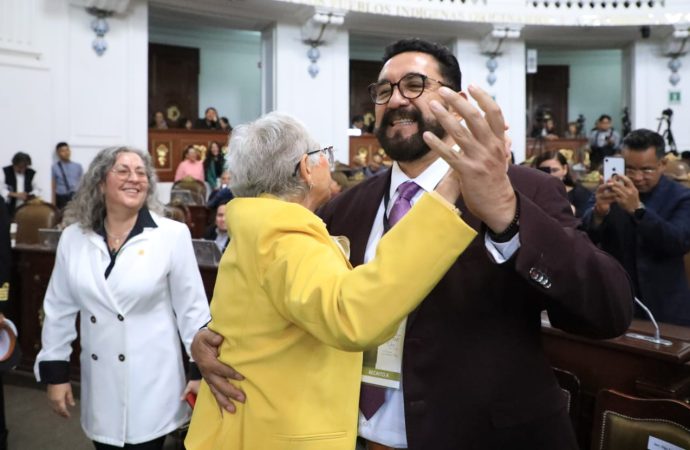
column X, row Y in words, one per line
column 61, row 144
column 604, row 116
column 640, row 140
column 21, row 158
column 447, row 62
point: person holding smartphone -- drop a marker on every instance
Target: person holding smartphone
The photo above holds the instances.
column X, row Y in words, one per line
column 642, row 218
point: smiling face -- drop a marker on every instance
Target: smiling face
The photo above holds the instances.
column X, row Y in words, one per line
column 220, row 218
column 191, row 154
column 126, row 184
column 401, row 122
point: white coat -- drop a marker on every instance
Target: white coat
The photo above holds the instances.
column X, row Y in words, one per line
column 131, row 362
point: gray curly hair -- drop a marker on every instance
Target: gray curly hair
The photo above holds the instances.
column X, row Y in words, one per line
column 264, row 154
column 87, row 208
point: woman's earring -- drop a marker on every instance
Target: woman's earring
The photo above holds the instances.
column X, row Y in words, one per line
column 311, row 185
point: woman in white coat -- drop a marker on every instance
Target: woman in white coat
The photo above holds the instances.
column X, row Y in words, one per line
column 133, row 277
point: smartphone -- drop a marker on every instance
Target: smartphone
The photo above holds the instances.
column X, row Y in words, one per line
column 191, row 399
column 613, row 165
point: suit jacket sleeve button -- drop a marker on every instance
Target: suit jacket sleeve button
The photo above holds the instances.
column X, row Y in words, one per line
column 121, row 357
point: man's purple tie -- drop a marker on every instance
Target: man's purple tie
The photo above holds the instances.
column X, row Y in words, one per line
column 372, row 397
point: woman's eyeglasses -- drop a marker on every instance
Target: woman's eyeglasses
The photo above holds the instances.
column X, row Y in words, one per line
column 123, row 173
column 327, row 152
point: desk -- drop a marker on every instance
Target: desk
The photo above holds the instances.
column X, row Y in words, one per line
column 536, row 147
column 628, row 365
column 31, row 271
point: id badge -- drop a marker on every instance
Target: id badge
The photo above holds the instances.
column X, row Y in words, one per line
column 382, row 366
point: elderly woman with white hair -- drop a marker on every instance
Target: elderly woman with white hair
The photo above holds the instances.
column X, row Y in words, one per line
column 132, row 276
column 294, row 315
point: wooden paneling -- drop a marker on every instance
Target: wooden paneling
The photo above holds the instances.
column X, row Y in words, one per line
column 166, row 147
column 363, row 147
column 537, row 146
column 362, row 74
column 548, row 89
column 174, row 83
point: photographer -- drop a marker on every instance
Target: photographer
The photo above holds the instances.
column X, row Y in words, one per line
column 643, row 220
column 603, row 140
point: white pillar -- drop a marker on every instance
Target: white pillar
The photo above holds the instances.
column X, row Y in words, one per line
column 650, row 89
column 509, row 90
column 321, row 103
column 58, row 89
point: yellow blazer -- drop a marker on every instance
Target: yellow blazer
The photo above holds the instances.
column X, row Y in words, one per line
column 295, row 317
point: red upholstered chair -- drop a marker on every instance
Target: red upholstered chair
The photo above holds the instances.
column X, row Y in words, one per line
column 624, row 422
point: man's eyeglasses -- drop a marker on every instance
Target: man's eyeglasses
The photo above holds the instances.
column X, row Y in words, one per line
column 123, row 173
column 645, row 172
column 327, row 152
column 410, row 86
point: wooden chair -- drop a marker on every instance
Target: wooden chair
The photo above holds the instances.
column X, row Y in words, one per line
column 624, row 422
column 33, row 215
column 179, row 212
column 195, row 187
column 570, row 385
column 678, row 170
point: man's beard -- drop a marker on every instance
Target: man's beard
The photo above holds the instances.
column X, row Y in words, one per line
column 412, row 148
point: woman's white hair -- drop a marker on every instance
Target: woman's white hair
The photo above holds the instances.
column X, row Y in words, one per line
column 264, row 153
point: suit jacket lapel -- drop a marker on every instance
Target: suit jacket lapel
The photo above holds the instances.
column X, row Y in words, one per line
column 360, row 227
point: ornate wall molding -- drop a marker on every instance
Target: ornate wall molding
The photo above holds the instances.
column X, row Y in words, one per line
column 18, row 26
column 527, row 12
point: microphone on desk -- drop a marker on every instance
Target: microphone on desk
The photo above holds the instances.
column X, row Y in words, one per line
column 656, row 339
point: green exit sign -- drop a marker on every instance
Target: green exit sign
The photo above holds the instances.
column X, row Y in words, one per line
column 674, row 97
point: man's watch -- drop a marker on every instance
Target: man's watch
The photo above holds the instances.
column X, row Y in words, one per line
column 638, row 214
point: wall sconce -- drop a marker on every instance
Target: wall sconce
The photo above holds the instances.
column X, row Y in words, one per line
column 491, row 47
column 102, row 9
column 316, row 33
column 676, row 47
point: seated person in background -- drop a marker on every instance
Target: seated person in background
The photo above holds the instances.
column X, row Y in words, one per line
column 187, row 124
column 375, row 166
column 603, row 141
column 223, row 194
column 66, row 175
column 159, row 122
column 218, row 232
column 289, row 303
column 546, row 131
column 643, row 220
column 19, row 182
column 572, row 131
column 214, row 164
column 209, row 121
column 190, row 166
column 357, row 122
column 225, row 124
column 555, row 164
